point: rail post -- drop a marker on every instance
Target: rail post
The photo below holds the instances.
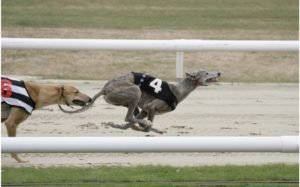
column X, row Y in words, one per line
column 179, row 65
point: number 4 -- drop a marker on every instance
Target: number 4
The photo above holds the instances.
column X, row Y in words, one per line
column 156, row 84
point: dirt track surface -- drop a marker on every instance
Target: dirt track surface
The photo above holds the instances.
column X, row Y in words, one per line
column 218, row 110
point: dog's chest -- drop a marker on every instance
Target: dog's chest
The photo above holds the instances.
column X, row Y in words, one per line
column 155, row 87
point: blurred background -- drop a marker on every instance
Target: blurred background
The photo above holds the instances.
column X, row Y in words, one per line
column 156, row 19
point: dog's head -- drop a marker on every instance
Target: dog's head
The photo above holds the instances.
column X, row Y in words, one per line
column 72, row 96
column 203, row 78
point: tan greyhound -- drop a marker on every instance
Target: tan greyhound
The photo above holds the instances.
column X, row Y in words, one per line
column 38, row 95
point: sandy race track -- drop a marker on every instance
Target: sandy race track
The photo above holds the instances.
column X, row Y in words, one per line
column 218, row 110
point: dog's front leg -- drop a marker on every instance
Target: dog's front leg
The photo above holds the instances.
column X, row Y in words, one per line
column 144, row 127
column 140, row 117
column 151, row 115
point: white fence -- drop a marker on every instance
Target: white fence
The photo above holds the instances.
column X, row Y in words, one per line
column 179, row 46
column 149, row 144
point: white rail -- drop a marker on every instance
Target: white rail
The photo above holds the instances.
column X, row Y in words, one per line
column 149, row 144
column 151, row 45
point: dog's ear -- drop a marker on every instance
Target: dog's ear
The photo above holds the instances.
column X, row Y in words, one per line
column 190, row 76
column 60, row 89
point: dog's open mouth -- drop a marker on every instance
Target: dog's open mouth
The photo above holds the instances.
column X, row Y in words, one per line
column 211, row 80
column 79, row 102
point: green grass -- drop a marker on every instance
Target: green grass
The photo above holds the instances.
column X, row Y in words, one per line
column 154, row 14
column 149, row 175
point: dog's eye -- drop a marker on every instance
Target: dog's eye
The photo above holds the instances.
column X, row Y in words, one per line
column 206, row 73
column 77, row 92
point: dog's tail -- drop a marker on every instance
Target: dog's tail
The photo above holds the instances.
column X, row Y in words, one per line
column 84, row 108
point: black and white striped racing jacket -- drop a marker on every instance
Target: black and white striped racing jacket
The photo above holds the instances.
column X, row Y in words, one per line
column 14, row 93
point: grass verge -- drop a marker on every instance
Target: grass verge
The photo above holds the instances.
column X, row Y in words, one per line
column 276, row 175
column 143, row 14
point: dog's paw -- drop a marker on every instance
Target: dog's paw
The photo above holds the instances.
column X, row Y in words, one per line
column 107, row 124
column 158, row 131
column 146, row 124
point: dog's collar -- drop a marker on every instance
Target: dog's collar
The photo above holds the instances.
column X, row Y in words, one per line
column 195, row 82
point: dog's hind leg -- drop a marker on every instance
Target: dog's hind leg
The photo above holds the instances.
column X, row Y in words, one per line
column 142, row 128
column 127, row 96
column 16, row 116
column 5, row 110
column 137, row 114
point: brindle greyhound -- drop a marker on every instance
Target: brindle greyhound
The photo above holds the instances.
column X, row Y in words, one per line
column 126, row 91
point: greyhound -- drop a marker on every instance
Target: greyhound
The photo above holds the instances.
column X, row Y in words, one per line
column 33, row 96
column 153, row 96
